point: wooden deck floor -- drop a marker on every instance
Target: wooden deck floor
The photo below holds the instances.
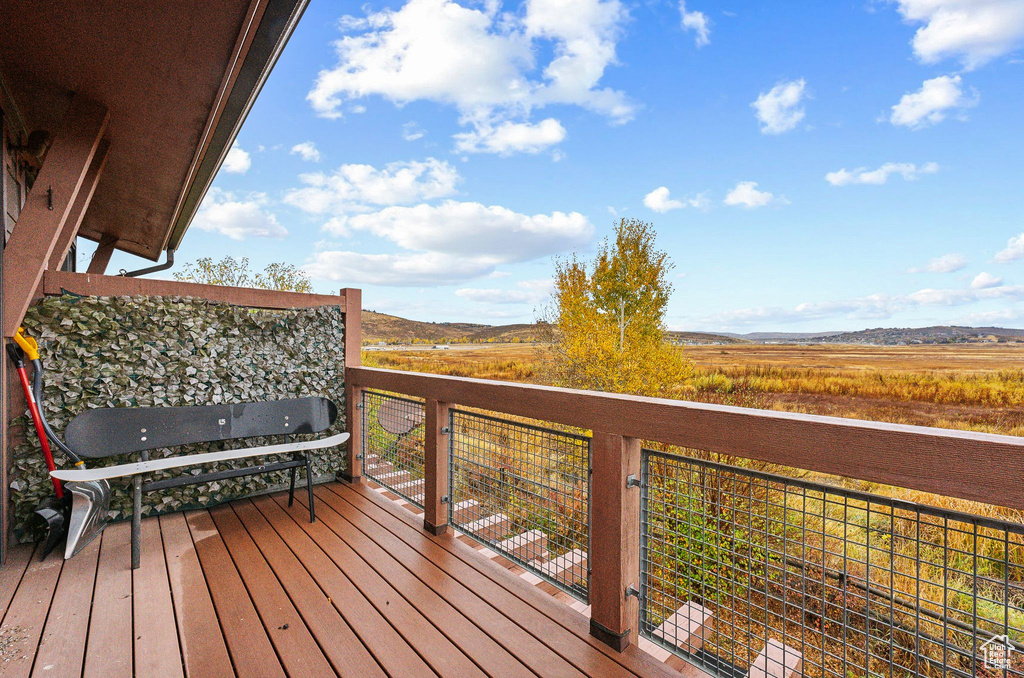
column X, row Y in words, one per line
column 254, row 589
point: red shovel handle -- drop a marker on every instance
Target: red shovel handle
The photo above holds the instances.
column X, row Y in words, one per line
column 37, row 420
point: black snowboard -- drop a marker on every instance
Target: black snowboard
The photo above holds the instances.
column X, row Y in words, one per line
column 120, row 430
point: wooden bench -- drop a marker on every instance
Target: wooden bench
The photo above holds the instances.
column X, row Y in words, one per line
column 108, row 432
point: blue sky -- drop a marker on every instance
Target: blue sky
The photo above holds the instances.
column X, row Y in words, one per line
column 807, row 166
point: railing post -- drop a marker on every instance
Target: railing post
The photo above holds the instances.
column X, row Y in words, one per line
column 353, row 394
column 435, row 467
column 614, row 539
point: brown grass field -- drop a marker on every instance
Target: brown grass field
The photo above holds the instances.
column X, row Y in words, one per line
column 967, row 386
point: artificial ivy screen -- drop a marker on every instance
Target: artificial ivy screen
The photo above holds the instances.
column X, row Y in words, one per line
column 167, row 351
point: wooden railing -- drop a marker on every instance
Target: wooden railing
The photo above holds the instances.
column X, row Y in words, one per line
column 973, row 466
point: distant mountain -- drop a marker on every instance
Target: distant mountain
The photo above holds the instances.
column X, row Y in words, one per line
column 697, row 338
column 380, row 327
column 780, row 336
column 940, row 334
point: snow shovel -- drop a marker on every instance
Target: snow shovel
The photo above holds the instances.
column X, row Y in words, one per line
column 93, row 496
column 53, row 510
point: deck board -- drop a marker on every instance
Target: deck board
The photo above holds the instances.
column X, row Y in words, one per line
column 525, row 638
column 292, row 639
column 253, row 589
column 10, row 574
column 156, row 641
column 384, row 620
column 109, row 652
column 69, row 617
column 23, row 624
column 381, row 574
column 560, row 640
column 203, row 649
column 252, row 653
column 495, row 640
column 317, row 607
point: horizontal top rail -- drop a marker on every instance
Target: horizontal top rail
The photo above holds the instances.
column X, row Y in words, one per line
column 90, row 284
column 980, row 467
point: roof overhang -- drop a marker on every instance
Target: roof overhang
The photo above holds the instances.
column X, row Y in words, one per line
column 178, row 78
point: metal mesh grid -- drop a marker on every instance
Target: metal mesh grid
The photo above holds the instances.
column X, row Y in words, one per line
column 524, row 491
column 858, row 584
column 393, row 439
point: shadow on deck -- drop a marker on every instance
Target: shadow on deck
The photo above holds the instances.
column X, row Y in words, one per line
column 252, row 588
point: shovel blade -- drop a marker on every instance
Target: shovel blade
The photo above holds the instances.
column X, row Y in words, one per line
column 90, row 513
column 55, row 513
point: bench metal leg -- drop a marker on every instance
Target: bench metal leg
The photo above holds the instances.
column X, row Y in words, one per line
column 291, row 486
column 136, row 522
column 309, row 488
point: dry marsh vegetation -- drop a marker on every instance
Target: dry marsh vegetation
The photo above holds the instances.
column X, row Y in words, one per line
column 970, row 386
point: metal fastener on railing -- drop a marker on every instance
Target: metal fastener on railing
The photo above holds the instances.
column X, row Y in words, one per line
column 632, row 591
column 632, row 481
column 445, row 430
column 359, row 406
column 444, row 499
column 359, row 456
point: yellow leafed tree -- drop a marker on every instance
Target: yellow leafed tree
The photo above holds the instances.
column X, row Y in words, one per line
column 609, row 318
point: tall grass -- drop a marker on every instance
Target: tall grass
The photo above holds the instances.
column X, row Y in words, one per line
column 1004, row 388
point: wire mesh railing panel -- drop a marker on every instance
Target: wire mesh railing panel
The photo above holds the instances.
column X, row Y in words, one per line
column 524, row 491
column 833, row 582
column 393, row 441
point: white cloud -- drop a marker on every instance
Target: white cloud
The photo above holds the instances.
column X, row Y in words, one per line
column 1014, row 250
column 507, row 137
column 526, row 292
column 745, row 194
column 930, row 104
column 998, row 316
column 874, row 306
column 660, row 201
column 307, row 150
column 411, row 131
column 351, row 188
column 862, row 175
column 479, row 59
column 450, row 242
column 779, row 110
column 237, row 161
column 984, row 281
column 947, row 263
column 975, row 31
column 398, row 270
column 956, row 297
column 223, row 212
column 472, row 229
column 697, row 22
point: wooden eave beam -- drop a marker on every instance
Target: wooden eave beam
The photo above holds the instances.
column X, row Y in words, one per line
column 74, row 220
column 101, row 257
column 49, row 205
